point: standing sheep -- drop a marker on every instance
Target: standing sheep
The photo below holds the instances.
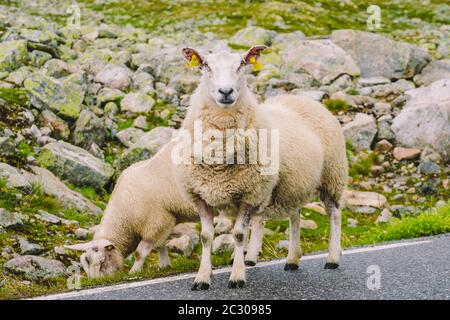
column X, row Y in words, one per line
column 144, row 207
column 311, row 159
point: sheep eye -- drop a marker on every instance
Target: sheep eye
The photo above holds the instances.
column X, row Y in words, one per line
column 243, row 64
column 206, row 66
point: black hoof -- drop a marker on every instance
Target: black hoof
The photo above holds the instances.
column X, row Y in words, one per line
column 236, row 284
column 331, row 265
column 290, row 267
column 250, row 263
column 200, row 286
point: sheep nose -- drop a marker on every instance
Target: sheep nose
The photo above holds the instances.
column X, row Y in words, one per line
column 226, row 91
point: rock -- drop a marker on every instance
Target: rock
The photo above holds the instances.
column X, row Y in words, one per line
column 47, row 217
column 384, row 217
column 312, row 94
column 400, row 153
column 440, row 203
column 378, row 56
column 429, row 154
column 57, row 68
column 376, row 170
column 251, row 36
column 35, row 268
column 82, row 234
column 352, row 223
column 61, row 96
column 308, row 224
column 27, row 247
column 89, row 129
column 222, row 224
column 364, row 210
column 361, row 131
column 129, row 136
column 428, row 187
column 373, row 81
column 109, row 95
column 352, row 199
column 39, row 58
column 146, row 147
column 7, row 146
column 382, row 108
column 224, row 242
column 18, row 77
column 434, row 71
column 10, row 220
column 316, row 207
column 137, row 102
column 140, row 122
column 52, row 186
column 182, row 245
column 75, row 164
column 425, row 119
column 13, row 54
column 282, row 245
column 71, row 224
column 14, row 179
column 384, row 128
column 114, row 76
column 400, row 211
column 60, row 129
column 383, row 146
column 321, row 59
column 187, row 229
column 429, row 167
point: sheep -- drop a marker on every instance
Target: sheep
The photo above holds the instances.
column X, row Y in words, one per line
column 311, row 155
column 144, row 207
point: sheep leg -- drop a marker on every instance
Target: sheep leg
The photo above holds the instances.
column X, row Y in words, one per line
column 237, row 278
column 334, row 250
column 256, row 238
column 163, row 255
column 203, row 279
column 143, row 250
column 295, row 251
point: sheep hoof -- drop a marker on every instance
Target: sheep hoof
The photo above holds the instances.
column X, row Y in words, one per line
column 236, row 284
column 200, row 286
column 250, row 263
column 331, row 265
column 290, row 267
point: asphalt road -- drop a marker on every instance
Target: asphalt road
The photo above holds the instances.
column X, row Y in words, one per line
column 415, row 269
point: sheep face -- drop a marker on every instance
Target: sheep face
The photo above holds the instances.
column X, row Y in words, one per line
column 100, row 257
column 223, row 73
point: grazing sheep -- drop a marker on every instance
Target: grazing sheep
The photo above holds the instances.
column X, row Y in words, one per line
column 311, row 159
column 144, row 207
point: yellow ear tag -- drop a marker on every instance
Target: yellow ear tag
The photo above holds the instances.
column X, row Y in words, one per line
column 194, row 62
column 257, row 66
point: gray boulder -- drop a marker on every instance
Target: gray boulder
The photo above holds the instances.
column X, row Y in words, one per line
column 89, row 129
column 361, row 131
column 13, row 54
column 434, row 71
column 129, row 136
column 114, row 76
column 35, row 268
column 252, row 35
column 27, row 247
column 14, row 179
column 137, row 102
column 60, row 129
column 10, row 220
column 378, row 56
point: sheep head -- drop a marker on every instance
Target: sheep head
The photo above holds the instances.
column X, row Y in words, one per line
column 100, row 257
column 223, row 73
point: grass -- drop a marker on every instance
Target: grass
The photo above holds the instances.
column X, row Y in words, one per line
column 361, row 167
column 336, row 105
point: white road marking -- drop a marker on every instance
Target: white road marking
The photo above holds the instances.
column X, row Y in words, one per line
column 218, row 271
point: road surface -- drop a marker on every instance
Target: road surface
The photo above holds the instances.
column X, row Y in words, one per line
column 414, row 269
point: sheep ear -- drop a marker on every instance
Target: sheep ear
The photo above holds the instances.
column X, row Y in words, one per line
column 106, row 244
column 79, row 246
column 192, row 57
column 253, row 54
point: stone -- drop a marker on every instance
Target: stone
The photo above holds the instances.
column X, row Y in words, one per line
column 182, row 245
column 373, row 81
column 10, row 220
column 137, row 102
column 429, row 167
column 39, row 58
column 364, row 210
column 52, row 186
column 382, row 108
column 428, row 187
column 252, row 35
column 35, row 268
column 352, row 199
column 400, row 211
column 82, row 234
column 434, row 71
column 7, row 146
column 47, row 217
column 89, row 129
column 282, row 245
column 321, row 59
column 61, row 96
column 18, row 77
column 361, row 131
column 28, row 248
column 383, row 146
column 140, row 122
column 429, row 154
column 384, row 128
column 75, row 164
column 59, row 128
column 223, row 242
column 376, row 170
column 114, row 76
column 316, row 207
column 308, row 224
column 13, row 54
column 129, row 136
column 223, row 224
column 14, row 179
column 186, row 229
column 378, row 56
column 401, row 153
column 425, row 119
column 109, row 95
column 352, row 223
column 384, row 217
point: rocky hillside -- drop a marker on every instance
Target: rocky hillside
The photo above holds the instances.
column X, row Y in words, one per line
column 78, row 105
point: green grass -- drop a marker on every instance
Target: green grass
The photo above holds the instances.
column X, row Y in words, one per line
column 361, row 167
column 336, row 105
